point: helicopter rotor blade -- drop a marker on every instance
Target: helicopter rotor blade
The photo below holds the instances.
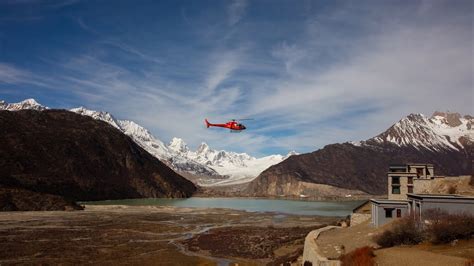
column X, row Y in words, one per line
column 243, row 119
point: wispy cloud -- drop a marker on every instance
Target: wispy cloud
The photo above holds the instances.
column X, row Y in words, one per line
column 222, row 65
column 348, row 74
column 236, row 11
column 60, row 4
column 10, row 74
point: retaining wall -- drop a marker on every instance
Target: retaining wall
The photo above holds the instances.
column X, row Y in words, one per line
column 311, row 251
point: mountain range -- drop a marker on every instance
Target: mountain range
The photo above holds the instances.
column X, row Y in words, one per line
column 205, row 166
column 358, row 168
column 347, row 169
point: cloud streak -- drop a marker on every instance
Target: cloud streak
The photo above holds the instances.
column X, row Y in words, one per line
column 348, row 74
column 236, row 11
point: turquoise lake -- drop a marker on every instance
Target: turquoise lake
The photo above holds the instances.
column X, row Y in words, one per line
column 298, row 207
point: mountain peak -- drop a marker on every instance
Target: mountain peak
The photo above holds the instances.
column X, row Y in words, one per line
column 451, row 119
column 25, row 104
column 131, row 128
column 178, row 145
column 290, row 154
column 30, row 101
column 441, row 131
column 203, row 148
column 99, row 115
column 414, row 117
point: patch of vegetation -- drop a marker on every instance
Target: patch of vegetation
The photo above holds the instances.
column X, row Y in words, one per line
column 250, row 242
column 363, row 256
column 444, row 227
column 404, row 232
column 452, row 189
column 438, row 227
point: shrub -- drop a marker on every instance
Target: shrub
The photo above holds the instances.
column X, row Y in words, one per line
column 363, row 256
column 405, row 231
column 451, row 227
column 452, row 189
column 439, row 227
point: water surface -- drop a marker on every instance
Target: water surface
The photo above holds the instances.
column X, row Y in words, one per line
column 298, row 207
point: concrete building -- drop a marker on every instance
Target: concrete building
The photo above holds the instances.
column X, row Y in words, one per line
column 406, row 187
column 384, row 210
column 402, row 179
column 418, row 204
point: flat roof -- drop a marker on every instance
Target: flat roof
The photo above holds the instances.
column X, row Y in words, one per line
column 400, row 165
column 387, row 201
column 397, row 173
column 397, row 166
column 439, row 196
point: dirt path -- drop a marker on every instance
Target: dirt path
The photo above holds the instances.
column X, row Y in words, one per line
column 400, row 256
column 330, row 242
column 141, row 235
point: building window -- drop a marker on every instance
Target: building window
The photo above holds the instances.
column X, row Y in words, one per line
column 399, row 213
column 395, row 189
column 410, row 180
column 395, row 180
column 388, row 213
column 410, row 189
column 419, row 172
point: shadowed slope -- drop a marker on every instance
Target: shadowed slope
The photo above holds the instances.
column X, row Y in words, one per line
column 63, row 153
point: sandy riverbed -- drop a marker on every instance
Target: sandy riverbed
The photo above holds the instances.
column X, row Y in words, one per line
column 152, row 235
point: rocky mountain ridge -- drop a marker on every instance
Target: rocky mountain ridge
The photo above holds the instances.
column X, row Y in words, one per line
column 445, row 140
column 206, row 166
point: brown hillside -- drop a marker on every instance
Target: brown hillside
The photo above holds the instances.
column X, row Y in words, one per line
column 63, row 153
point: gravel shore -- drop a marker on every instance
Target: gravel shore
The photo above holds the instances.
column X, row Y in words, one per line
column 117, row 234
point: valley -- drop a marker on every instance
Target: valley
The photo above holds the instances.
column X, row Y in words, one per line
column 337, row 171
column 238, row 132
column 153, row 235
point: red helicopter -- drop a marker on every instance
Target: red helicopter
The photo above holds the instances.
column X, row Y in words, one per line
column 233, row 125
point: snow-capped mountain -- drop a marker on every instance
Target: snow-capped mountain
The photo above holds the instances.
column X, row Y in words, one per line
column 445, row 140
column 440, row 131
column 25, row 104
column 147, row 141
column 103, row 116
column 211, row 166
column 240, row 167
column 208, row 166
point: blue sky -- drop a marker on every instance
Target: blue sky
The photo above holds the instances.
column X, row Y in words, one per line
column 310, row 73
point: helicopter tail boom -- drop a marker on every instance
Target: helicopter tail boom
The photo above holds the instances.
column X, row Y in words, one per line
column 214, row 125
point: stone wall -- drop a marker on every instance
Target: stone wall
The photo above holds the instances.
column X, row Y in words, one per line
column 358, row 218
column 311, row 251
column 423, row 186
column 441, row 185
